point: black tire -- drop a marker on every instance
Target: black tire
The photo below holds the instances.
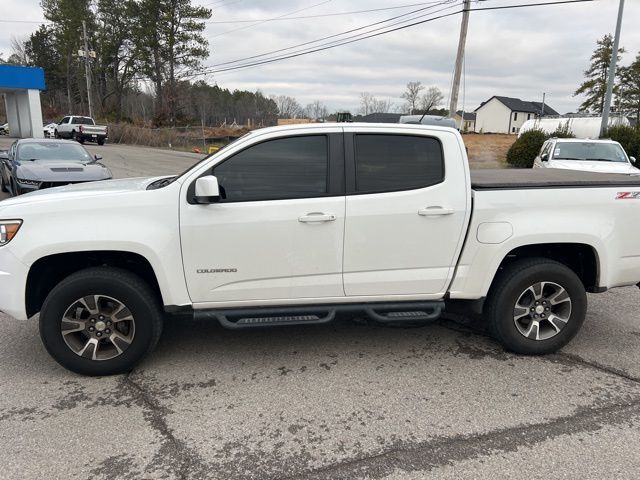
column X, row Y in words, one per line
column 508, row 287
column 130, row 290
column 101, row 141
column 3, row 185
column 76, row 137
column 55, row 134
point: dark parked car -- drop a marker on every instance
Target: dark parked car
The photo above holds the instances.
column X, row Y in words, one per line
column 33, row 164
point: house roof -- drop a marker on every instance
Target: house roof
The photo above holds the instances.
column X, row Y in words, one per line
column 517, row 105
column 380, row 118
column 467, row 115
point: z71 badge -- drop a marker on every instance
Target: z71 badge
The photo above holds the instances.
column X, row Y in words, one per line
column 628, row 196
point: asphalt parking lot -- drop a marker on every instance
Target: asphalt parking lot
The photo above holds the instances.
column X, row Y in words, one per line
column 342, row 401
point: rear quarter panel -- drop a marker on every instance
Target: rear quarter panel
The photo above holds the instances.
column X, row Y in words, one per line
column 591, row 216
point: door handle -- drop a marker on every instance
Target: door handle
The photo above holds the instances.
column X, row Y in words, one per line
column 316, row 217
column 435, row 211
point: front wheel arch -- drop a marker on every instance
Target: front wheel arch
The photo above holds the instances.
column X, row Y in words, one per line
column 46, row 272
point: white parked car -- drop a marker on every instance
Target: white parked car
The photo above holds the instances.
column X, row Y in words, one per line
column 603, row 156
column 292, row 225
column 50, row 130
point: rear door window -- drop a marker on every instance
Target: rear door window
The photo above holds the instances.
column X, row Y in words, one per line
column 386, row 163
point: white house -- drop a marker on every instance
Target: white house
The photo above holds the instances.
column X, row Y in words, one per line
column 466, row 121
column 506, row 114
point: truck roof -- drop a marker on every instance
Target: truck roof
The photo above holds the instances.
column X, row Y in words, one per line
column 357, row 125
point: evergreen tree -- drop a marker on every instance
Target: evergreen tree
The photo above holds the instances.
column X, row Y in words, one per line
column 629, row 91
column 595, row 86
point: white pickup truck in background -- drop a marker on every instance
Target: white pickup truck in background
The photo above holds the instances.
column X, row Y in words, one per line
column 291, row 225
column 81, row 129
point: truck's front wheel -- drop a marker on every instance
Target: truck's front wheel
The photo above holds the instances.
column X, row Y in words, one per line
column 536, row 306
column 100, row 321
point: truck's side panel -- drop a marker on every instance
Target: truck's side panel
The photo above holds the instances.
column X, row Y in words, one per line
column 590, row 216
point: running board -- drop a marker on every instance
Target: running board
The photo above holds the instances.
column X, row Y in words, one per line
column 388, row 313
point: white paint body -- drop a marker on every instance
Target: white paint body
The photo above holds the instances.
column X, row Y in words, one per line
column 626, row 167
column 417, row 244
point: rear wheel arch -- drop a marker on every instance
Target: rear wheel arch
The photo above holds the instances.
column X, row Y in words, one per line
column 581, row 258
column 49, row 271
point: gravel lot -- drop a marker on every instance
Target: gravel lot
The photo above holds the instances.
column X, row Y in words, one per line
column 343, row 401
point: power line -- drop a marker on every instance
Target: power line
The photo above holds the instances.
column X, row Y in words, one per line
column 540, row 4
column 330, row 45
column 335, row 14
column 264, row 21
column 367, row 35
column 440, row 2
column 24, row 21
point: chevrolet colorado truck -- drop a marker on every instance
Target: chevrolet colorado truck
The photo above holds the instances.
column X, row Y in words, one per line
column 81, row 129
column 291, row 225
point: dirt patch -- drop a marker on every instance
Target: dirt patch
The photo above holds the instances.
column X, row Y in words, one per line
column 488, row 150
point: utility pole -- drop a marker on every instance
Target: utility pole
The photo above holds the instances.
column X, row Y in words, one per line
column 86, row 66
column 544, row 94
column 612, row 73
column 453, row 106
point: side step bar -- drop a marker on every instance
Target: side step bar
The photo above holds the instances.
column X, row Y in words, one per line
column 388, row 313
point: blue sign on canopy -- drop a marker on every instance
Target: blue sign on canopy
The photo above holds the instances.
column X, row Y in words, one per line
column 17, row 77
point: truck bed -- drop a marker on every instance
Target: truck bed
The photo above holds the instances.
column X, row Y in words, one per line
column 529, row 178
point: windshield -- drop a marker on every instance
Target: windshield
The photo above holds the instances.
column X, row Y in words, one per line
column 605, row 152
column 53, row 151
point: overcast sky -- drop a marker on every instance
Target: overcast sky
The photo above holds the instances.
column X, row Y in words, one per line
column 519, row 52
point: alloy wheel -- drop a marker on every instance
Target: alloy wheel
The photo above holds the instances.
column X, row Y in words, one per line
column 98, row 327
column 542, row 311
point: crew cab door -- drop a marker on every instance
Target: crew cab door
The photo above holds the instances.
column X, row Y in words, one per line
column 408, row 201
column 277, row 232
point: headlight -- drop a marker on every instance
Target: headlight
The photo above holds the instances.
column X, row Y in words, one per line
column 24, row 181
column 8, row 230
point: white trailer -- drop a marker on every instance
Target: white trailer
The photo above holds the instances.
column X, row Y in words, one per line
column 581, row 127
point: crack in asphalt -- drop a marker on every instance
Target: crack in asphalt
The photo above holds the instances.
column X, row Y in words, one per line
column 598, row 366
column 426, row 456
column 174, row 454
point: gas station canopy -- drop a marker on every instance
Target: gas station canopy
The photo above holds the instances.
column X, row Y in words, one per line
column 21, row 88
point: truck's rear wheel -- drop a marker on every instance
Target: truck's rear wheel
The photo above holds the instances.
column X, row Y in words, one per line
column 100, row 141
column 100, row 321
column 536, row 306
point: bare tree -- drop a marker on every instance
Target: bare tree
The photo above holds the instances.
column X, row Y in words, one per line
column 18, row 52
column 288, row 107
column 316, row 110
column 381, row 106
column 432, row 98
column 366, row 103
column 412, row 94
column 370, row 104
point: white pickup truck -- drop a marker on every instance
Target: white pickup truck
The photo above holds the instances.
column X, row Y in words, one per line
column 81, row 129
column 291, row 225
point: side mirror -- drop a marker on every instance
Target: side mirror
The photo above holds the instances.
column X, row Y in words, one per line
column 633, row 160
column 544, row 157
column 207, row 190
column 97, row 157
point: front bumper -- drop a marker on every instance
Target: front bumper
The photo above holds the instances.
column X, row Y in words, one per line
column 13, row 282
